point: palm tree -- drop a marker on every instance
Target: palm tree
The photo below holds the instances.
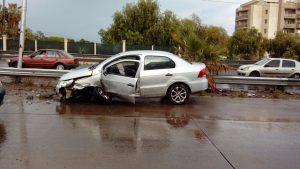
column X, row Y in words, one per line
column 11, row 20
column 196, row 42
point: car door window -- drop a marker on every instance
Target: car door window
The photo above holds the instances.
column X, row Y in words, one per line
column 39, row 54
column 158, row 62
column 273, row 63
column 52, row 54
column 126, row 68
column 288, row 64
column 127, row 57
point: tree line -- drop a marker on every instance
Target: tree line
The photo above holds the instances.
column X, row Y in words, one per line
column 143, row 23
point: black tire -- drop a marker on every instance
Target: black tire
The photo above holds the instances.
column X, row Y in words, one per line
column 254, row 74
column 100, row 94
column 296, row 75
column 178, row 94
column 60, row 67
column 15, row 64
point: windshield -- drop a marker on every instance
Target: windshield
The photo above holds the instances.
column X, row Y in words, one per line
column 262, row 62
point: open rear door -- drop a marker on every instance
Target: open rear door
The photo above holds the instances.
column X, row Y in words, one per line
column 120, row 79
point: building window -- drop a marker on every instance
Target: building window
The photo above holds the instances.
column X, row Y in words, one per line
column 266, row 21
column 267, row 12
column 265, row 30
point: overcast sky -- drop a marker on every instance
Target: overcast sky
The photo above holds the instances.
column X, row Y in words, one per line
column 78, row 19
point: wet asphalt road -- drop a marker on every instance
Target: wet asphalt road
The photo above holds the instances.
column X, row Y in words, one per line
column 208, row 132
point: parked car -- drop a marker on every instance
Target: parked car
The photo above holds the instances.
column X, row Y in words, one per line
column 47, row 58
column 2, row 93
column 135, row 74
column 272, row 67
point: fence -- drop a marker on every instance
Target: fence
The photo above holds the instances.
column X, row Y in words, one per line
column 77, row 47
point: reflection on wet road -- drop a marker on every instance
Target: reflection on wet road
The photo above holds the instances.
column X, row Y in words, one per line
column 205, row 133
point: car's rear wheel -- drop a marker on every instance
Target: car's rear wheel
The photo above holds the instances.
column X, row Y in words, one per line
column 178, row 94
column 254, row 74
column 60, row 67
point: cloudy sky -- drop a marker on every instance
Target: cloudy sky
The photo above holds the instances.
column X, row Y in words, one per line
column 78, row 19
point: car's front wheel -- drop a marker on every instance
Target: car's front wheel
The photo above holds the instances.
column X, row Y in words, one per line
column 100, row 93
column 254, row 74
column 178, row 94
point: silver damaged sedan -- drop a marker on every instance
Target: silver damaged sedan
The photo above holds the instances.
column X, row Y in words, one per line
column 135, row 74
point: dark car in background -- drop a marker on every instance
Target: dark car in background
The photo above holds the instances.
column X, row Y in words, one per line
column 48, row 59
column 2, row 93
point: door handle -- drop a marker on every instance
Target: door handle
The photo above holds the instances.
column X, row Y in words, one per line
column 130, row 85
column 169, row 74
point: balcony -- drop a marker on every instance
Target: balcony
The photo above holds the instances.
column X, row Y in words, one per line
column 242, row 17
column 290, row 5
column 242, row 26
column 243, row 9
column 290, row 16
column 289, row 25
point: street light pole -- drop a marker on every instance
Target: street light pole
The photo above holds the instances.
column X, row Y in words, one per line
column 22, row 33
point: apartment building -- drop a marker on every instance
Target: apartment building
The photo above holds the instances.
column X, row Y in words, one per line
column 269, row 16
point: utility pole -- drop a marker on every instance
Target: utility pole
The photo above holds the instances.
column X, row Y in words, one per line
column 4, row 21
column 22, row 33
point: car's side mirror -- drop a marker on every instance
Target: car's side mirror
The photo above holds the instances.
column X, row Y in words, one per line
column 31, row 56
column 266, row 66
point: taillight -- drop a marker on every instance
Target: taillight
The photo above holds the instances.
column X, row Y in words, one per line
column 202, row 73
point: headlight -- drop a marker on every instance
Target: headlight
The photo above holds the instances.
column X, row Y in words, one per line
column 246, row 68
column 66, row 83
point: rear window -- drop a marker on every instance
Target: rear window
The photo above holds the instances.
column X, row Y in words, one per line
column 65, row 54
column 158, row 62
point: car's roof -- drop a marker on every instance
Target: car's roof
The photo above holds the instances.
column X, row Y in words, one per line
column 147, row 52
column 51, row 49
column 281, row 59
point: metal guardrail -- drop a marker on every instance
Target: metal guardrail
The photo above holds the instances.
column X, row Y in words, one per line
column 218, row 79
column 32, row 72
column 101, row 57
column 268, row 81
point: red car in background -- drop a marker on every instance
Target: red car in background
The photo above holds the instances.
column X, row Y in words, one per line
column 48, row 59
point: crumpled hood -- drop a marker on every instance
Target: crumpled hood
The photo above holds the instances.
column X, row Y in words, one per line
column 77, row 74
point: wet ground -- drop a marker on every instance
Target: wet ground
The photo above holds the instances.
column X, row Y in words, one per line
column 37, row 131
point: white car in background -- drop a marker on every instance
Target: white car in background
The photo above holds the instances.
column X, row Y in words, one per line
column 274, row 67
column 135, row 74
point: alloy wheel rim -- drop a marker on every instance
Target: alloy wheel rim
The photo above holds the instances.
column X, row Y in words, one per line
column 179, row 94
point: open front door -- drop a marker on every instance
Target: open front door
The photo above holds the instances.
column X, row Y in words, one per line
column 120, row 79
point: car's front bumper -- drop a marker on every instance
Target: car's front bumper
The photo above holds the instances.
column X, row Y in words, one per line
column 243, row 73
